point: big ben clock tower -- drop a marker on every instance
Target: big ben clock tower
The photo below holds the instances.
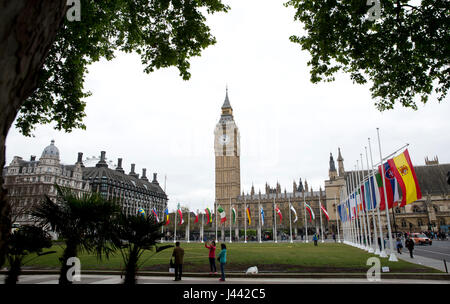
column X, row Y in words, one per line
column 227, row 151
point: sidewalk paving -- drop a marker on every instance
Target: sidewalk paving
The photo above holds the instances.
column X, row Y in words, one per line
column 433, row 263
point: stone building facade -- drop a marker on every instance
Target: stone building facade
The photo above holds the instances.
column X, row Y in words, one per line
column 27, row 182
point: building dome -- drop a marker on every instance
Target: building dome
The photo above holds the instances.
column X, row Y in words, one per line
column 51, row 151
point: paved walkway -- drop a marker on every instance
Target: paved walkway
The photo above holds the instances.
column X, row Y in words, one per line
column 115, row 279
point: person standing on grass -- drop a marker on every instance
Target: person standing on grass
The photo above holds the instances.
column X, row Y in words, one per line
column 223, row 260
column 315, row 238
column 399, row 245
column 178, row 253
column 212, row 257
column 409, row 243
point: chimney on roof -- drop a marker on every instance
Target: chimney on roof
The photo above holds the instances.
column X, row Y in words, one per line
column 132, row 173
column 32, row 158
column 143, row 177
column 102, row 161
column 119, row 166
column 155, row 181
column 80, row 159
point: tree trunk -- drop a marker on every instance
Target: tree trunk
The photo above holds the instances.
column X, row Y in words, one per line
column 131, row 268
column 14, row 271
column 70, row 251
column 27, row 30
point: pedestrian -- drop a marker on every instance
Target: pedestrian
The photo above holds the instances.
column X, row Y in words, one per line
column 223, row 260
column 409, row 243
column 315, row 238
column 334, row 237
column 399, row 245
column 379, row 243
column 178, row 253
column 212, row 257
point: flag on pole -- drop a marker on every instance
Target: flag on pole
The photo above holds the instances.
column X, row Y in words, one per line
column 405, row 174
column 166, row 212
column 279, row 213
column 208, row 216
column 222, row 214
column 390, row 184
column 248, row 215
column 295, row 213
column 155, row 215
column 233, row 211
column 375, row 192
column 324, row 211
column 181, row 215
column 262, row 216
column 196, row 216
column 311, row 212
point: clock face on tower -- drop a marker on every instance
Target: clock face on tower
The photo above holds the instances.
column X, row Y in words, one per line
column 224, row 139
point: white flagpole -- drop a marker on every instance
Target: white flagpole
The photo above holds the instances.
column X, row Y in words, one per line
column 357, row 222
column 321, row 227
column 275, row 220
column 383, row 252
column 392, row 256
column 231, row 220
column 245, row 220
column 366, row 211
column 290, row 224
column 337, row 220
column 201, row 229
column 175, row 231
column 361, row 214
column 215, row 215
column 306, row 223
column 374, row 241
column 259, row 219
column 188, row 234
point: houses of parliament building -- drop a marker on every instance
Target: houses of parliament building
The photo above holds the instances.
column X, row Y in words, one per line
column 431, row 212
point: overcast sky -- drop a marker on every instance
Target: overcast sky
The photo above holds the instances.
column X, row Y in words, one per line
column 288, row 125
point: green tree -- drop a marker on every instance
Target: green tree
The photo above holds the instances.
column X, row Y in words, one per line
column 44, row 57
column 133, row 235
column 404, row 53
column 25, row 241
column 83, row 221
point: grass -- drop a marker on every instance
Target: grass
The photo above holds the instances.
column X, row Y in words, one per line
column 268, row 257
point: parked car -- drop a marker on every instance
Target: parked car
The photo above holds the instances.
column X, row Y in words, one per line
column 420, row 239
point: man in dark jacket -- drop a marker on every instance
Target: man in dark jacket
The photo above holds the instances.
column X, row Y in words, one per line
column 409, row 243
column 178, row 253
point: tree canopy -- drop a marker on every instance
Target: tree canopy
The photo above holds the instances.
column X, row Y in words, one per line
column 404, row 53
column 163, row 32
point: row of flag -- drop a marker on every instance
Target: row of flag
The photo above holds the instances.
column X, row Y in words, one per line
column 223, row 217
column 400, row 185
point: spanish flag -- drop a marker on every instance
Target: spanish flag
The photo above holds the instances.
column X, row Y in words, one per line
column 248, row 215
column 406, row 177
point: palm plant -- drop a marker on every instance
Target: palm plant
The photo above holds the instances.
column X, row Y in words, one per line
column 22, row 243
column 83, row 221
column 133, row 235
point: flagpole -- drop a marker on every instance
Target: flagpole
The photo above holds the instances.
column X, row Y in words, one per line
column 372, row 206
column 215, row 215
column 337, row 220
column 231, row 220
column 162, row 231
column 383, row 252
column 175, row 224
column 306, row 223
column 201, row 230
column 189, row 227
column 365, row 207
column 361, row 214
column 358, row 220
column 321, row 226
column 259, row 219
column 290, row 224
column 245, row 220
column 349, row 214
column 275, row 220
column 392, row 256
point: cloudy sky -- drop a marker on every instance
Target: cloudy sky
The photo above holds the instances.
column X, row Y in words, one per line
column 288, row 125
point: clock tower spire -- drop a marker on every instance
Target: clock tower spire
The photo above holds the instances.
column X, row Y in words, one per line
column 227, row 156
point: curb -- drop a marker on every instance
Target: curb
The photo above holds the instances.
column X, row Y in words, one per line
column 404, row 276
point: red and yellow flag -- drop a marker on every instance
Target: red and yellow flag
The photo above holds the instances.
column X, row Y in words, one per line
column 248, row 215
column 406, row 176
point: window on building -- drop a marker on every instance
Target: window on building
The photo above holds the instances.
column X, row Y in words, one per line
column 419, row 222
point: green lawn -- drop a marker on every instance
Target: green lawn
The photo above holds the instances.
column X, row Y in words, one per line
column 268, row 257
